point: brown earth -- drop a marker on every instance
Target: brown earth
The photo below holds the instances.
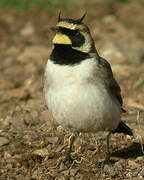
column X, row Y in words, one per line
column 30, row 148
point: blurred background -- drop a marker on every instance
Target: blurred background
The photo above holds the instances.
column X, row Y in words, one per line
column 25, row 45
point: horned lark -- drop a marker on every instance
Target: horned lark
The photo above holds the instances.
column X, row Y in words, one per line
column 80, row 90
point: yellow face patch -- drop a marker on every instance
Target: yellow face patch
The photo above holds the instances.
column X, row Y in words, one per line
column 61, row 39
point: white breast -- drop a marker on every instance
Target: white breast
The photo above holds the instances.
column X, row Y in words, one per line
column 76, row 101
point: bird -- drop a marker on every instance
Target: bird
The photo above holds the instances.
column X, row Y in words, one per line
column 80, row 90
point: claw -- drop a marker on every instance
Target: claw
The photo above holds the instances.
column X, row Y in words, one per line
column 68, row 161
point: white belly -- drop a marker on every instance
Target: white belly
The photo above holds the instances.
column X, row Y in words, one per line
column 81, row 107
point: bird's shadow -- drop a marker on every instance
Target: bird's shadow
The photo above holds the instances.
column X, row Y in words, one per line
column 133, row 151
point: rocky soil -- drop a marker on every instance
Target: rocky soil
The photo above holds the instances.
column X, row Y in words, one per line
column 30, row 148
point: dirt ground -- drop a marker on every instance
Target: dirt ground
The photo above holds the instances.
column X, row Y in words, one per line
column 30, row 148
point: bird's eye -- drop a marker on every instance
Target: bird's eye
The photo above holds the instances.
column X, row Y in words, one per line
column 68, row 32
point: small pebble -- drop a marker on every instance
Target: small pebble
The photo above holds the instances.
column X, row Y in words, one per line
column 6, row 155
column 118, row 165
column 20, row 177
column 133, row 165
column 41, row 152
column 3, row 141
column 109, row 170
column 62, row 167
column 140, row 158
column 36, row 173
column 52, row 140
column 142, row 172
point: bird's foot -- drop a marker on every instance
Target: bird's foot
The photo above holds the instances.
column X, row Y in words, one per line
column 66, row 164
column 68, row 161
column 107, row 159
column 105, row 162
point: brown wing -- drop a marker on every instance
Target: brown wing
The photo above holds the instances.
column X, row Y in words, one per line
column 115, row 90
column 111, row 83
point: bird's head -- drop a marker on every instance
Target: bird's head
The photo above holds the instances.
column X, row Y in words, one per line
column 73, row 33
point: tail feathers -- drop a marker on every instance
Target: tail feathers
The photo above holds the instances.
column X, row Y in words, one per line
column 123, row 128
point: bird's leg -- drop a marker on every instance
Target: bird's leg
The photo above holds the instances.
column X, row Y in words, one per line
column 107, row 158
column 68, row 159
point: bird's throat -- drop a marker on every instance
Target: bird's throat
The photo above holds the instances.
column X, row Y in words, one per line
column 65, row 55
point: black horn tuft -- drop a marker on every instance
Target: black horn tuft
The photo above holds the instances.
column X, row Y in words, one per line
column 59, row 18
column 81, row 19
